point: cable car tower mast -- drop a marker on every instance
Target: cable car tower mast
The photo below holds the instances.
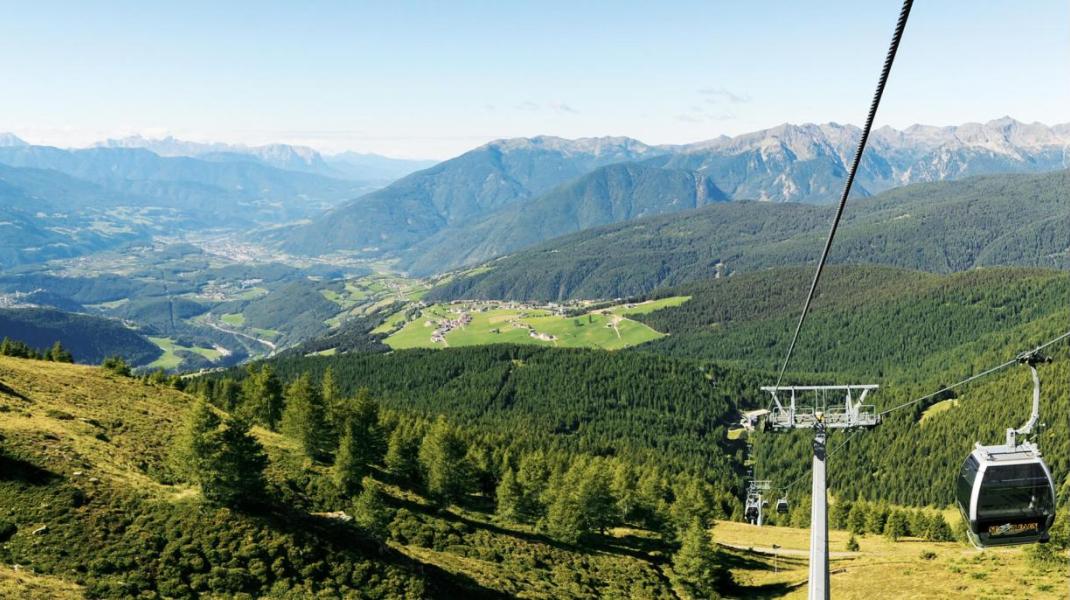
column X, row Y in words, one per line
column 854, row 413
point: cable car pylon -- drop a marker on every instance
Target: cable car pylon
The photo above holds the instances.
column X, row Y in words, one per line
column 820, row 417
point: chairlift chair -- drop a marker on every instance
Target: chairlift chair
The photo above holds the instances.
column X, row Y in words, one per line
column 1005, row 492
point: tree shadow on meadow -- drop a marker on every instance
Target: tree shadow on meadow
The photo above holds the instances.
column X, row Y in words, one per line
column 342, row 537
column 16, row 469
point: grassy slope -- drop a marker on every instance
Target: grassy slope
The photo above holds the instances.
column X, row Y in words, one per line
column 82, row 452
column 882, row 568
column 28, row 586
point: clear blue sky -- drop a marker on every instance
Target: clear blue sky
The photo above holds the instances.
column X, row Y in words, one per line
column 434, row 79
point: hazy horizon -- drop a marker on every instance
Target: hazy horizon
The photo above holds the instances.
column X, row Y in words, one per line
column 419, row 80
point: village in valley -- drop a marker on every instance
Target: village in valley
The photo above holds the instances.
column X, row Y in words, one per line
column 572, row 324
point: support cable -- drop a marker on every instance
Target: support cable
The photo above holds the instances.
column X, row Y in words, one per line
column 900, row 25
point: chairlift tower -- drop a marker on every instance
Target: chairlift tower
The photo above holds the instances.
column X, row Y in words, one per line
column 820, row 416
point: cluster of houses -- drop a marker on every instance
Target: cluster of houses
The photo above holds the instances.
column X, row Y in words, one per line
column 448, row 325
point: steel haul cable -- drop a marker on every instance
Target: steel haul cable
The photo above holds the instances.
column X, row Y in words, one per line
column 900, row 25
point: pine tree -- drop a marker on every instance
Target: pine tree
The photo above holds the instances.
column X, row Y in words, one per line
column 938, row 530
column 262, row 394
column 220, row 456
column 852, row 544
column 371, row 513
column 857, row 518
column 402, row 454
column 696, row 564
column 116, row 365
column 57, row 353
column 331, row 400
column 350, row 462
column 596, row 499
column 625, row 490
column 228, row 394
column 564, row 515
column 442, row 455
column 693, row 501
column 532, row 475
column 896, row 526
column 509, row 497
column 875, row 520
column 194, row 445
column 839, row 511
column 234, row 470
column 305, row 419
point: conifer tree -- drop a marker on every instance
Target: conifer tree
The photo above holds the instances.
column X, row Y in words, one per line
column 371, row 513
column 693, row 501
column 938, row 530
column 220, row 456
column 875, row 520
column 509, row 496
column 442, row 456
column 57, row 353
column 595, row 497
column 402, row 454
column 564, row 515
column 329, row 391
column 625, row 490
column 234, row 469
column 696, row 564
column 350, row 462
column 896, row 526
column 305, row 418
column 194, row 444
column 116, row 365
column 262, row 393
column 532, row 475
column 228, row 394
column 857, row 518
column 852, row 544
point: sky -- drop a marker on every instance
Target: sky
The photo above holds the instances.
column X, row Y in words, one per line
column 433, row 79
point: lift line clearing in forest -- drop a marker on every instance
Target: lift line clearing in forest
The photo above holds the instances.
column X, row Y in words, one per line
column 820, row 416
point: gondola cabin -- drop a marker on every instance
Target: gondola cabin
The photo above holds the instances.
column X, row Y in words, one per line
column 782, row 506
column 1006, row 494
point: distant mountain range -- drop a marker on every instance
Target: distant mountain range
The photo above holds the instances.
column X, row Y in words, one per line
column 458, row 212
column 60, row 203
column 347, row 165
column 943, row 227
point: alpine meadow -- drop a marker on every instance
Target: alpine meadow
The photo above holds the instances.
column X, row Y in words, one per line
column 535, row 300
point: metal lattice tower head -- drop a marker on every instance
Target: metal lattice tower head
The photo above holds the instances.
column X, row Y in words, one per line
column 821, row 406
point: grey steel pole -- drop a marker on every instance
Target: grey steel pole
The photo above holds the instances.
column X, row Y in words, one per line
column 819, row 532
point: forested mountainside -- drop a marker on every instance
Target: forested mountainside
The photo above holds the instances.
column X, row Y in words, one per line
column 455, row 192
column 611, row 194
column 875, row 322
column 89, row 339
column 938, row 227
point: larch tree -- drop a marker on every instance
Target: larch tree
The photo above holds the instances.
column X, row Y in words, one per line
column 262, row 394
column 305, row 419
column 442, row 455
column 402, row 454
column 696, row 564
